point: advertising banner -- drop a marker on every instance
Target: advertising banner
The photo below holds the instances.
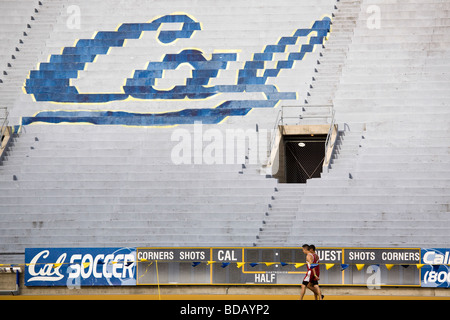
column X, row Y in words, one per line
column 435, row 271
column 75, row 267
column 372, row 267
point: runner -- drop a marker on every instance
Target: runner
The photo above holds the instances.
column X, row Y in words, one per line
column 308, row 276
column 314, row 280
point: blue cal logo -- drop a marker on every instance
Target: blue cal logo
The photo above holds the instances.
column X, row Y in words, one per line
column 52, row 82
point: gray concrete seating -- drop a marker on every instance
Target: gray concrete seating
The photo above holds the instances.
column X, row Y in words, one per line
column 389, row 178
column 82, row 185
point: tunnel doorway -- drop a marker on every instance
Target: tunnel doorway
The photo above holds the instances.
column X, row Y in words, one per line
column 303, row 157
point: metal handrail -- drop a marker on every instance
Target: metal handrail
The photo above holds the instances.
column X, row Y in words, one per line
column 328, row 139
column 300, row 116
column 275, row 127
column 310, row 105
column 4, row 123
column 281, row 118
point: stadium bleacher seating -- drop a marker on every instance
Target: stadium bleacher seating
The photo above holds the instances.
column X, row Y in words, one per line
column 389, row 179
column 97, row 102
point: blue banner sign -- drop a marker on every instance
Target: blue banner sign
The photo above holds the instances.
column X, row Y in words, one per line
column 75, row 267
column 435, row 272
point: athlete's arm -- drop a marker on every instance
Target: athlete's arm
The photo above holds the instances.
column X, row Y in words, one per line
column 315, row 275
column 313, row 269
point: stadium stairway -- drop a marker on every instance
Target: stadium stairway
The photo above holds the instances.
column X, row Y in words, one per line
column 118, row 186
column 25, row 27
column 83, row 184
column 242, row 68
column 86, row 184
column 389, row 180
column 13, row 25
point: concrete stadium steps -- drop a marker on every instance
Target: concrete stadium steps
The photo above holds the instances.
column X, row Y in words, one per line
column 386, row 148
column 410, row 229
column 335, row 208
column 331, row 60
column 119, row 216
column 111, row 185
column 277, row 223
column 345, row 181
column 172, row 240
column 138, row 201
column 259, row 26
column 15, row 240
column 26, row 43
column 388, row 183
column 120, row 229
column 375, row 191
column 341, row 239
column 156, row 224
column 135, row 149
column 126, row 184
column 81, row 230
column 86, row 185
column 16, row 15
column 118, row 168
column 411, row 74
column 124, row 208
column 136, row 192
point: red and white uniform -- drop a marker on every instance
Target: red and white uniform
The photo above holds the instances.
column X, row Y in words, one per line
column 309, row 273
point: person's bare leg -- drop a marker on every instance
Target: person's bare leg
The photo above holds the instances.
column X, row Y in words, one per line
column 302, row 292
column 319, row 292
column 314, row 290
